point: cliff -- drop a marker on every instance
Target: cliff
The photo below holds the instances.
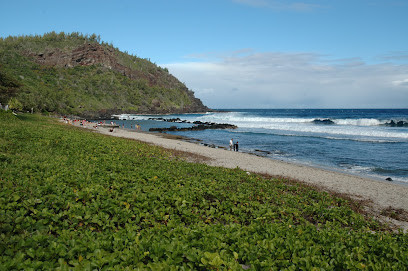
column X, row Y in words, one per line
column 79, row 75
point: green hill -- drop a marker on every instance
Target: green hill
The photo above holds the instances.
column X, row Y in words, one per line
column 78, row 74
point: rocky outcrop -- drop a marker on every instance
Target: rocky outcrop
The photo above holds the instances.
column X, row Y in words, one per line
column 177, row 120
column 400, row 123
column 87, row 55
column 323, row 121
column 198, row 126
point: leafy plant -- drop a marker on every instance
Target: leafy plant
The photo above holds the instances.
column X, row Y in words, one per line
column 72, row 199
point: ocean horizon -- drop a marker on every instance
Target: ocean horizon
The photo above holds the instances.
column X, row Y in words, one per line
column 366, row 142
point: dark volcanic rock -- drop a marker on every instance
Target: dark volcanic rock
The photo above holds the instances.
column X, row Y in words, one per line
column 323, row 121
column 199, row 127
column 400, row 123
column 170, row 120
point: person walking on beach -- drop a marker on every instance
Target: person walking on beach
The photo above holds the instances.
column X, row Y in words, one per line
column 236, row 146
column 231, row 144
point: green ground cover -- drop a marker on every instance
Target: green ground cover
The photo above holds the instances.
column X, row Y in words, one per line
column 74, row 199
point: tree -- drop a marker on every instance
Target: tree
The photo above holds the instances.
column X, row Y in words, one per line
column 15, row 104
column 8, row 86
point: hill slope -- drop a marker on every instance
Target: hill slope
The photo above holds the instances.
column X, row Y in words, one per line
column 79, row 75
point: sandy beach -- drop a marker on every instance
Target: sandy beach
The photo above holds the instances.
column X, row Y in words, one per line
column 376, row 195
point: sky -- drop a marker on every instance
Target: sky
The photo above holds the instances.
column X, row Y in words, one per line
column 248, row 53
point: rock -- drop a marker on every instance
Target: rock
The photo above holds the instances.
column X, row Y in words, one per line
column 156, row 103
column 391, row 123
column 323, row 121
column 389, row 179
column 174, row 120
column 262, row 151
column 199, row 127
column 169, row 120
column 400, row 123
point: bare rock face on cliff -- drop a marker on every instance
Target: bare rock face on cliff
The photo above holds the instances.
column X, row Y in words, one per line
column 85, row 55
column 94, row 78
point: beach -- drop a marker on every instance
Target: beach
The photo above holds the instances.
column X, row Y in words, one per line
column 376, row 196
column 363, row 142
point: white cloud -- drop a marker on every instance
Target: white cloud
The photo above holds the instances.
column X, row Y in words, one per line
column 293, row 80
column 403, row 82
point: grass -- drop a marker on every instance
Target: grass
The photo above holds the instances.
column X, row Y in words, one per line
column 71, row 199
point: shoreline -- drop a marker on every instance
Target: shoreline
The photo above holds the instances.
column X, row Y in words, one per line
column 355, row 142
column 377, row 196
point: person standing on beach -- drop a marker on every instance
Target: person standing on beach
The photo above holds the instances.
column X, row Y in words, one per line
column 236, row 146
column 231, row 144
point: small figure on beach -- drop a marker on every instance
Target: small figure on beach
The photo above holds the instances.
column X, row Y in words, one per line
column 231, row 144
column 236, row 146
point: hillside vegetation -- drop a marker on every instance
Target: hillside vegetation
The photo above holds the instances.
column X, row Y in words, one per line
column 78, row 74
column 71, row 199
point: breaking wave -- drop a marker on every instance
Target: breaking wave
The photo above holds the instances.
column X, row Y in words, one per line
column 361, row 129
column 241, row 117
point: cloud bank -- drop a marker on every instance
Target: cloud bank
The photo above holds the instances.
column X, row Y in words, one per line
column 246, row 79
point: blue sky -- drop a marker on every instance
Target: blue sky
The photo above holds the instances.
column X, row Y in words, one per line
column 249, row 53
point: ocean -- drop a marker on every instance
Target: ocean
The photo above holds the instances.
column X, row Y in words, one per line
column 367, row 142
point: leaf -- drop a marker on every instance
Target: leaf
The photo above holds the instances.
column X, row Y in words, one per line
column 204, row 261
column 217, row 261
